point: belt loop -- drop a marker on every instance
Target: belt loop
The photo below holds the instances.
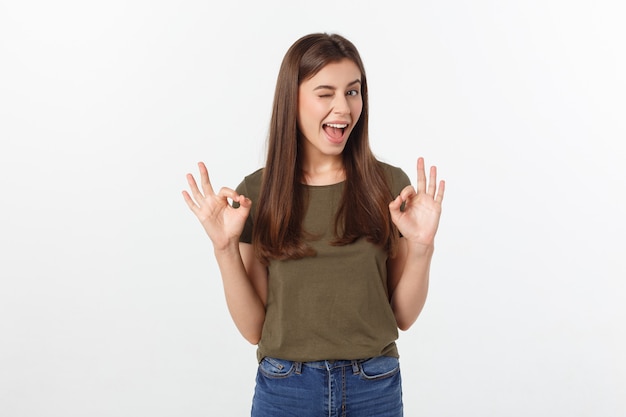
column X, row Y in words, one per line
column 355, row 367
column 298, row 367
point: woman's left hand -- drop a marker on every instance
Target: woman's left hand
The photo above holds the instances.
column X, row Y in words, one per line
column 419, row 220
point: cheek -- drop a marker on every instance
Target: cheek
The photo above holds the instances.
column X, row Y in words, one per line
column 356, row 110
column 310, row 112
column 306, row 119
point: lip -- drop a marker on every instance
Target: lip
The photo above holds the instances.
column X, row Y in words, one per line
column 344, row 136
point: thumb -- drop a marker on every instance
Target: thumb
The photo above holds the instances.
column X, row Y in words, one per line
column 394, row 206
column 241, row 202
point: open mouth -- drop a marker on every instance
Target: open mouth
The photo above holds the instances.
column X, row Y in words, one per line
column 335, row 130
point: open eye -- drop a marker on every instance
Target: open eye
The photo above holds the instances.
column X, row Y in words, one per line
column 353, row 93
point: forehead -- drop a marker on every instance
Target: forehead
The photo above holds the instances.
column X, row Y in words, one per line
column 336, row 74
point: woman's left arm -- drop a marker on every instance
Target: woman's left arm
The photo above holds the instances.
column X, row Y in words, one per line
column 408, row 270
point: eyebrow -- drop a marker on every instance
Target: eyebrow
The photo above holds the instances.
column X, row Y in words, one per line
column 330, row 87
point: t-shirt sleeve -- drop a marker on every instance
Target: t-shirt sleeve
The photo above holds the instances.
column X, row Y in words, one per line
column 246, row 234
column 399, row 180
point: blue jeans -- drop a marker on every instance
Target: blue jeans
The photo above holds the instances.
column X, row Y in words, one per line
column 357, row 388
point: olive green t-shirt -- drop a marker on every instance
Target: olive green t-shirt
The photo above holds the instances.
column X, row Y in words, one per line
column 333, row 305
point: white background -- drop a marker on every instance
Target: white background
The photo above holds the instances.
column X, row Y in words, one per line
column 110, row 301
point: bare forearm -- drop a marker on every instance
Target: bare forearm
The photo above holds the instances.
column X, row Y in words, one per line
column 408, row 271
column 409, row 295
column 246, row 307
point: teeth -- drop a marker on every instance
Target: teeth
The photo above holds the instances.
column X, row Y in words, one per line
column 336, row 126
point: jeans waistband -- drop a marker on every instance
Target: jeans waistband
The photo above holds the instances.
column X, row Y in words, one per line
column 331, row 364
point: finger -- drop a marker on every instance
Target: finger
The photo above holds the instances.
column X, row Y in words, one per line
column 407, row 193
column 194, row 188
column 205, row 182
column 440, row 191
column 243, row 205
column 192, row 205
column 226, row 192
column 243, row 201
column 432, row 181
column 421, row 175
column 395, row 204
column 395, row 208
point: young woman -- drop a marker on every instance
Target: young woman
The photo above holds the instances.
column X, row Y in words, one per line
column 325, row 252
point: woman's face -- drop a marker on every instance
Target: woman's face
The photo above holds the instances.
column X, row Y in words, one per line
column 329, row 105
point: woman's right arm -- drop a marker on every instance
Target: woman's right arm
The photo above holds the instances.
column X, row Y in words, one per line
column 245, row 287
column 243, row 276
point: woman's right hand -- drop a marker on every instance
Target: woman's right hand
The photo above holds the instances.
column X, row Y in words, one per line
column 222, row 222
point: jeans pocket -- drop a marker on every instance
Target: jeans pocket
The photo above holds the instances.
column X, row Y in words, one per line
column 276, row 368
column 379, row 367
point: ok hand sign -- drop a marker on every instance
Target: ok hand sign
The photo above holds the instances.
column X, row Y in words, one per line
column 419, row 220
column 222, row 222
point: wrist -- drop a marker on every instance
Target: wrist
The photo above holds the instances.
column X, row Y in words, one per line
column 231, row 247
column 420, row 249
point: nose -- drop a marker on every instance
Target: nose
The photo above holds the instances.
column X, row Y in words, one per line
column 340, row 105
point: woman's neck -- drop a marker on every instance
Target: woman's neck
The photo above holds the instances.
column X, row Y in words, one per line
column 324, row 173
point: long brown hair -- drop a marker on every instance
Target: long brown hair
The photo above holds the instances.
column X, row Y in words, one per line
column 281, row 205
